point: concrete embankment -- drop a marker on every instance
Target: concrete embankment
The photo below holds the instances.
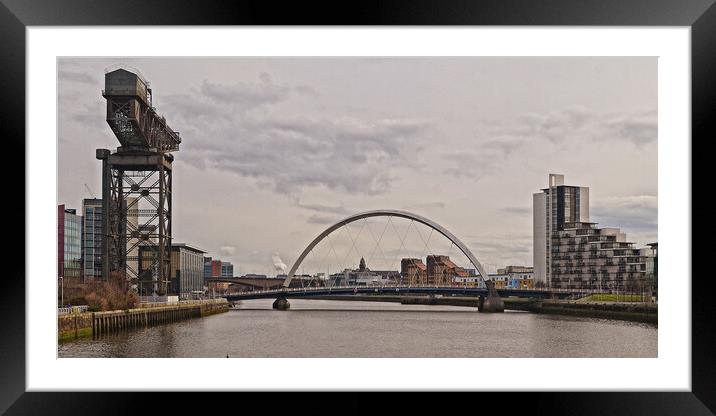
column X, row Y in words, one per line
column 628, row 311
column 632, row 311
column 96, row 324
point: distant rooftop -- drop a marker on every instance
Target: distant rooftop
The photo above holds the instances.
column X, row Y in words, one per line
column 189, row 247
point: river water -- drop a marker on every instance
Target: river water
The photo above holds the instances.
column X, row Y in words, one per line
column 321, row 328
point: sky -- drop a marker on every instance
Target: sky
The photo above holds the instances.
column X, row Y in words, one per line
column 275, row 150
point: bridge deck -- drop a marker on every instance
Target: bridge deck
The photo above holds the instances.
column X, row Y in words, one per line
column 309, row 292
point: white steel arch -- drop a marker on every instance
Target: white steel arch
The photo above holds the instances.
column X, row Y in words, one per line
column 387, row 213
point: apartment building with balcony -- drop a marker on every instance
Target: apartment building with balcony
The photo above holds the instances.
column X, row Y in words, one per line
column 586, row 257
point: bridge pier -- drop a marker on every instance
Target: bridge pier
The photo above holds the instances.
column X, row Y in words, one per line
column 281, row 304
column 493, row 302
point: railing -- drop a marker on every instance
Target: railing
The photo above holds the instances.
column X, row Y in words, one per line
column 395, row 287
column 72, row 309
column 181, row 302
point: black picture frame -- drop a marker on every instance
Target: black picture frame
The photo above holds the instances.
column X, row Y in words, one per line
column 16, row 15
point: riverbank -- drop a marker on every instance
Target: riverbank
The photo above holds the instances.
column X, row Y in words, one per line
column 95, row 324
column 315, row 328
column 629, row 311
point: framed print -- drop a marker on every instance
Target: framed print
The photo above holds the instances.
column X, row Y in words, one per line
column 464, row 197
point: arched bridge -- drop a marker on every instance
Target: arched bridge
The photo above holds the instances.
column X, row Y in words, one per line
column 487, row 293
column 387, row 213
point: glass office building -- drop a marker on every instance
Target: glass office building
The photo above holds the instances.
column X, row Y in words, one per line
column 69, row 243
column 92, row 239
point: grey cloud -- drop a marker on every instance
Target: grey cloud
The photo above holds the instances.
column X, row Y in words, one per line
column 345, row 154
column 248, row 94
column 574, row 123
column 554, row 126
column 495, row 253
column 88, row 117
column 504, row 145
column 501, row 247
column 469, row 164
column 426, row 205
column 500, row 140
column 306, row 90
column 80, row 77
column 322, row 219
column 637, row 213
column 227, row 250
column 225, row 102
column 639, row 129
column 339, row 209
column 288, row 152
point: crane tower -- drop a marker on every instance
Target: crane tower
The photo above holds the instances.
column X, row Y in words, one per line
column 137, row 186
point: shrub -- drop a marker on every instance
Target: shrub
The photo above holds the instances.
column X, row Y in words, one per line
column 105, row 296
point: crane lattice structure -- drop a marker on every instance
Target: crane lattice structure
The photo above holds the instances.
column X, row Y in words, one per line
column 137, row 186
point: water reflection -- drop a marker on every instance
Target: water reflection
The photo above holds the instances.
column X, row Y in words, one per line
column 314, row 328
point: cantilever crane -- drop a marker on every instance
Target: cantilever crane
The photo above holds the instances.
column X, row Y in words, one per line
column 137, row 186
column 131, row 116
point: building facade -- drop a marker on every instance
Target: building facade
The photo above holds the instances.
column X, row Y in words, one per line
column 437, row 270
column 187, row 266
column 187, row 271
column 216, row 268
column 207, row 268
column 469, row 281
column 92, row 239
column 413, row 271
column 69, row 244
column 501, row 280
column 555, row 206
column 133, row 213
column 519, row 277
column 587, row 257
column 362, row 276
column 652, row 267
column 441, row 270
column 227, row 269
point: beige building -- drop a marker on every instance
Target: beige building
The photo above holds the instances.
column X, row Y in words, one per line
column 187, row 270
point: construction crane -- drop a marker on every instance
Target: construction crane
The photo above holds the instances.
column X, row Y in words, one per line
column 89, row 191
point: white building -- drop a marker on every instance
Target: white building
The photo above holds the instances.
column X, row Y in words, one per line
column 552, row 208
column 469, row 281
